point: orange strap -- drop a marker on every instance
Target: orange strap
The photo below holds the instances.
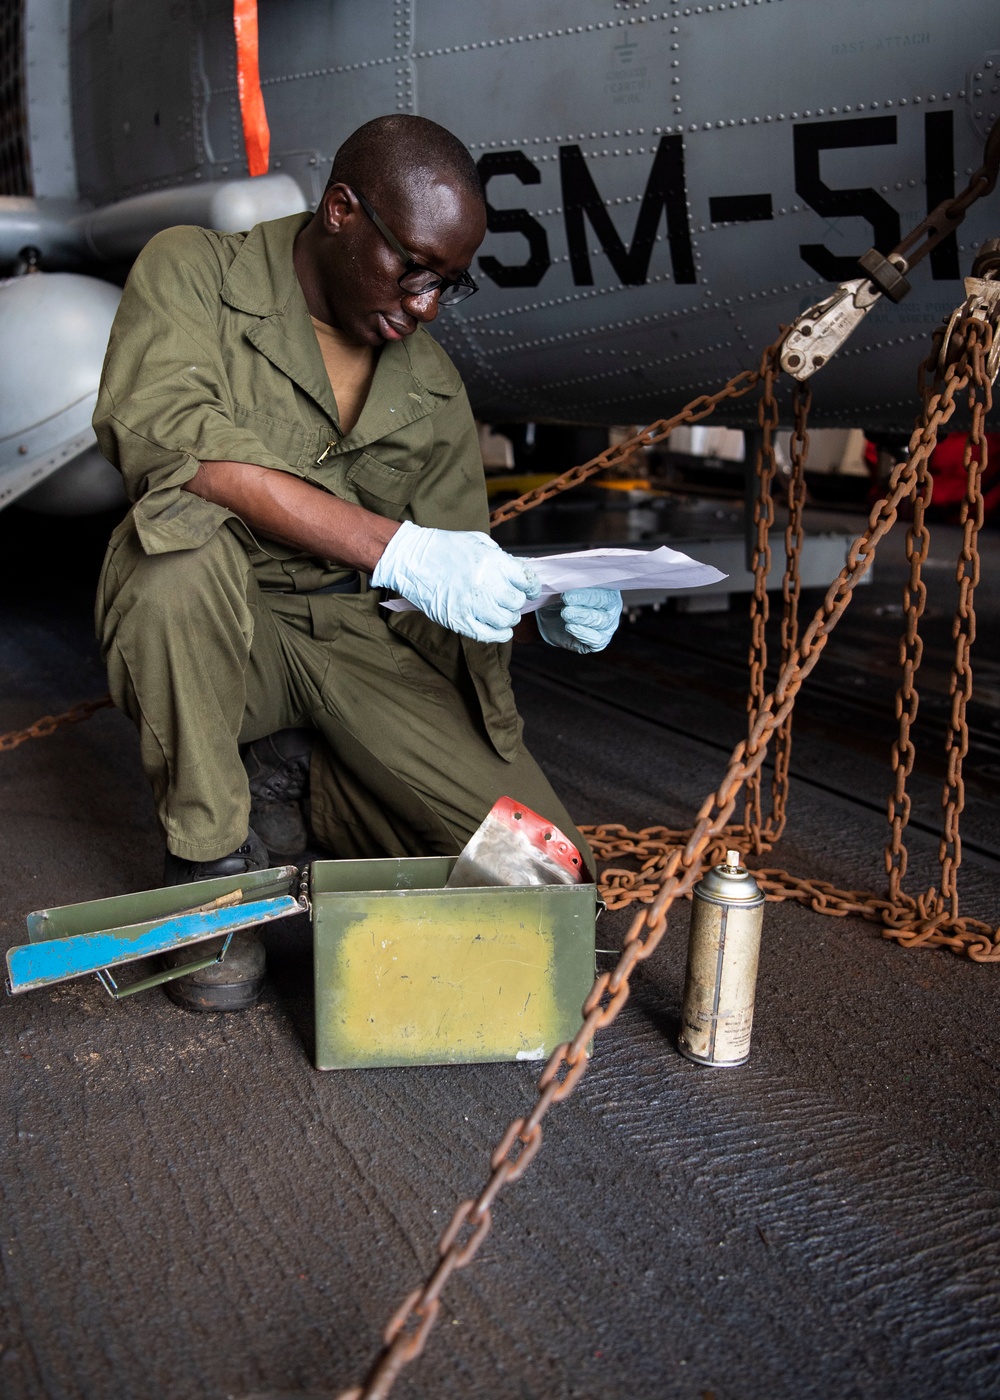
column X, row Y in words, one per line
column 256, row 132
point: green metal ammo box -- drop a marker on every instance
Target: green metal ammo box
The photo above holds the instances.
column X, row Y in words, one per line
column 407, row 972
column 411, row 973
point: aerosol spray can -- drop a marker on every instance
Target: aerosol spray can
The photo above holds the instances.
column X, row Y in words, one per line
column 726, row 914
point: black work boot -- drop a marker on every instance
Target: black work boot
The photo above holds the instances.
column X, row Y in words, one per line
column 231, row 985
column 252, row 855
column 278, row 769
column 236, row 982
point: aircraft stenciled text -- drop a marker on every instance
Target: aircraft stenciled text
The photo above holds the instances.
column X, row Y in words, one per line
column 624, row 87
column 888, row 41
column 666, row 196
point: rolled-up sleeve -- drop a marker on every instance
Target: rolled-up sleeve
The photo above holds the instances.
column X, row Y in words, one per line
column 165, row 402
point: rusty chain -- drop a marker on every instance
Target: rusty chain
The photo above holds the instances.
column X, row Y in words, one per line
column 672, row 860
column 932, row 918
column 765, row 466
column 901, row 919
column 791, row 590
column 964, row 634
column 671, row 869
column 623, row 452
column 760, row 834
column 943, row 220
column 911, row 648
column 48, row 724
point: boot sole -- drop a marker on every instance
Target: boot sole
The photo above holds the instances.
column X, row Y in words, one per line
column 220, row 996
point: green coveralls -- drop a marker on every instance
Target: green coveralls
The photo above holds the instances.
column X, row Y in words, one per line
column 213, row 638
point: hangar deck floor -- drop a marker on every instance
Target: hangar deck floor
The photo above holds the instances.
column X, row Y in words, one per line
column 190, row 1210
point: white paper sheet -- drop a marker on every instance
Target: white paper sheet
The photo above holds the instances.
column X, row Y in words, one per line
column 622, row 569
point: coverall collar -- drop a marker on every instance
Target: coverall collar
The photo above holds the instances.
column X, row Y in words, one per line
column 261, row 282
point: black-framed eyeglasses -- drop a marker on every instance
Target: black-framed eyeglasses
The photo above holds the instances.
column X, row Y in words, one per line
column 416, row 280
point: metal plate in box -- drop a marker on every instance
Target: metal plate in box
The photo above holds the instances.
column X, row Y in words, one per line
column 408, row 972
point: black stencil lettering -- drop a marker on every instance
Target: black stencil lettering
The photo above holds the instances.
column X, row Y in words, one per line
column 531, row 272
column 665, row 189
column 867, row 204
column 939, row 168
column 739, row 208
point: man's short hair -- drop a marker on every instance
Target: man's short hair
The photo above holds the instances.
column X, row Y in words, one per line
column 390, row 151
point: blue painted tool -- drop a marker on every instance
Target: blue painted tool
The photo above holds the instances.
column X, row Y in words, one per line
column 77, row 940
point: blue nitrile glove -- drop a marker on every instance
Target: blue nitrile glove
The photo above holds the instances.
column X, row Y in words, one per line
column 584, row 619
column 459, row 578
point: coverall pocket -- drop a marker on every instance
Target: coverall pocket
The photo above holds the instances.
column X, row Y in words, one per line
column 382, row 487
column 281, row 437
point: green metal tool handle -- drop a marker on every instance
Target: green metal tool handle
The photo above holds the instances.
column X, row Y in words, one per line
column 157, row 979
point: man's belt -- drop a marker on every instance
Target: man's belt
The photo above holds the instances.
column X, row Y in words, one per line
column 350, row 583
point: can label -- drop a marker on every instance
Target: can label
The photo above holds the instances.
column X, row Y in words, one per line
column 717, row 1014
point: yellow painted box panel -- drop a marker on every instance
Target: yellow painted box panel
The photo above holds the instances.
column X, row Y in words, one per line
column 408, row 972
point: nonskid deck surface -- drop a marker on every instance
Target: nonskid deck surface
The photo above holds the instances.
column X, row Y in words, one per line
column 190, row 1210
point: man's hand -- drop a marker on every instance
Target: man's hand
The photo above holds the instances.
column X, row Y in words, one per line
column 583, row 620
column 459, row 578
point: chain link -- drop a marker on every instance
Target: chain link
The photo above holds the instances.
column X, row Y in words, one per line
column 943, row 220
column 901, row 918
column 623, row 452
column 791, row 590
column 964, row 630
column 758, row 833
column 910, row 655
column 48, row 724
column 765, row 466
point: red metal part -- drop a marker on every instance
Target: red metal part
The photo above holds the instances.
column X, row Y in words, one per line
column 256, row 132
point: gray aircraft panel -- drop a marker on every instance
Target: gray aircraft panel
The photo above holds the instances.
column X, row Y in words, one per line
column 627, row 360
column 221, row 120
column 758, row 148
column 452, row 26
column 326, row 69
column 299, row 38
column 520, row 93
column 117, row 100
column 983, row 84
column 823, row 55
column 727, row 160
column 50, row 131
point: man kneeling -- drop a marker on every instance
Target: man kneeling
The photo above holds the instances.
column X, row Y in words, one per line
column 295, row 445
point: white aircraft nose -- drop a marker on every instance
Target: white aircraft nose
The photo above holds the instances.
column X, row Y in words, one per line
column 54, row 329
